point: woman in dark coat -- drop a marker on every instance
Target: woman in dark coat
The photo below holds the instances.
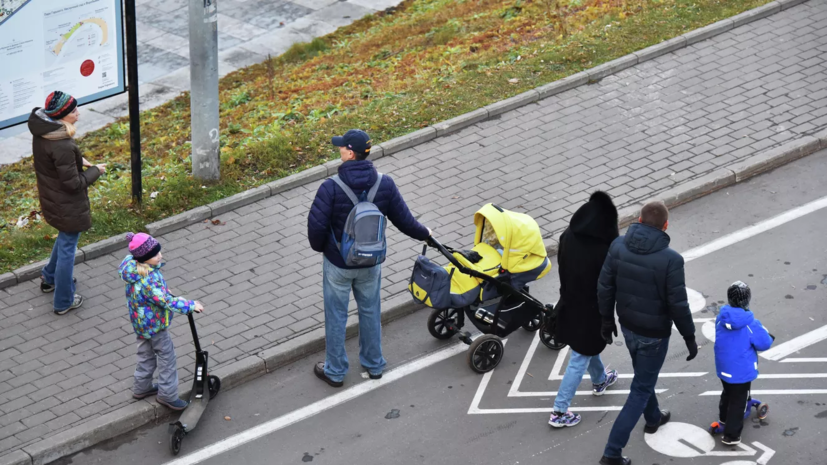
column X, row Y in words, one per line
column 61, row 185
column 583, row 248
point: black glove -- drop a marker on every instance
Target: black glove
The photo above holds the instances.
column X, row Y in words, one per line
column 471, row 255
column 692, row 347
column 607, row 328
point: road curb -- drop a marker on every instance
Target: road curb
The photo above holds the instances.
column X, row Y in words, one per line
column 429, row 133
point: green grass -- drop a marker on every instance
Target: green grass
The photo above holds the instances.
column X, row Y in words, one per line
column 389, row 73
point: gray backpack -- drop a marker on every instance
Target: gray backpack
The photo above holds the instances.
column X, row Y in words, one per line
column 363, row 241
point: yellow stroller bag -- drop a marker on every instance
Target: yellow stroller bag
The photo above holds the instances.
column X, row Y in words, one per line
column 488, row 284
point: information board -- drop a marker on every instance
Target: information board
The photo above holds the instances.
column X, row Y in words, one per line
column 75, row 46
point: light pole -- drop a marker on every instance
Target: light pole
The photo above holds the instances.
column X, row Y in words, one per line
column 203, row 15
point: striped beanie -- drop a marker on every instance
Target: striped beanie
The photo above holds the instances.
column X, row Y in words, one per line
column 59, row 105
column 142, row 246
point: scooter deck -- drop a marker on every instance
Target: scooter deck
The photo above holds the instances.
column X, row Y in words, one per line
column 189, row 419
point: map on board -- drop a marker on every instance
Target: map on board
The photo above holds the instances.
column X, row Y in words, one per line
column 8, row 7
column 72, row 45
column 77, row 32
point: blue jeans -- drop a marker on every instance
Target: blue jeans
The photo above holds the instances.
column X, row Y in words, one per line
column 58, row 271
column 648, row 355
column 366, row 283
column 578, row 364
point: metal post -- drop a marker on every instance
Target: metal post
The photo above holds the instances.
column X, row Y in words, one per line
column 134, row 104
column 204, row 88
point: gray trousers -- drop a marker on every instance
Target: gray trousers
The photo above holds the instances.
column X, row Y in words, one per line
column 157, row 352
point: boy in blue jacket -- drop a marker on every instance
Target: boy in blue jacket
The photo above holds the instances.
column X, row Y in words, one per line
column 738, row 338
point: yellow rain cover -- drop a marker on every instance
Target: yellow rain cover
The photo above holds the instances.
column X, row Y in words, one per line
column 517, row 235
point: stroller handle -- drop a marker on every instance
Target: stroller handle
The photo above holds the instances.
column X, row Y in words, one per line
column 448, row 253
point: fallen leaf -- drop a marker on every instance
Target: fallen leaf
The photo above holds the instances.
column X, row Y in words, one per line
column 227, row 418
column 216, row 221
column 513, row 80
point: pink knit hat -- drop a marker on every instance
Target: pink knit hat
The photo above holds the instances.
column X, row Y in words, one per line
column 142, row 246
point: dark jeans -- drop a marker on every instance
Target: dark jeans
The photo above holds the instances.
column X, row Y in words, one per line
column 648, row 355
column 59, row 270
column 732, row 407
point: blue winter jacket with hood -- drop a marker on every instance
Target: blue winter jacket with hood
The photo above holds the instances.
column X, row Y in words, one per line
column 738, row 338
column 332, row 206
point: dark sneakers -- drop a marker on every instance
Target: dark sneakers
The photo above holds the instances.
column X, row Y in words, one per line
column 615, row 461
column 47, row 288
column 76, row 303
column 318, row 370
column 729, row 441
column 177, row 404
column 665, row 416
column 371, row 375
column 146, row 394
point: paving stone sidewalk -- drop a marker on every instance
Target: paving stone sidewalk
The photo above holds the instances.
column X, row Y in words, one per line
column 248, row 30
column 634, row 134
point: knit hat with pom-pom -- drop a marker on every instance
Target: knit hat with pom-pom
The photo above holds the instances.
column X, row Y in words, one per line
column 142, row 246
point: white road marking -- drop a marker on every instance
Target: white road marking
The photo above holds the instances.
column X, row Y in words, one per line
column 684, row 440
column 772, row 392
column 318, row 407
column 804, row 360
column 580, row 393
column 794, row 345
column 754, row 230
column 792, row 375
column 768, row 453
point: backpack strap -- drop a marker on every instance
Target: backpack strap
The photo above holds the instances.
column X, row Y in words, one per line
column 348, row 191
column 375, row 188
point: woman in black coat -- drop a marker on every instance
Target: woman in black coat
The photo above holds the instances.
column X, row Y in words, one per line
column 583, row 248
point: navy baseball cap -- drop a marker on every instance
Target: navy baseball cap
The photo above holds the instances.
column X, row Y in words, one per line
column 355, row 139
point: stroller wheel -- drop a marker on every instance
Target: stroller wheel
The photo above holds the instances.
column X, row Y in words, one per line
column 442, row 323
column 533, row 324
column 485, row 353
column 548, row 340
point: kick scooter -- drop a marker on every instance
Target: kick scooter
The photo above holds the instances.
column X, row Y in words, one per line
column 204, row 388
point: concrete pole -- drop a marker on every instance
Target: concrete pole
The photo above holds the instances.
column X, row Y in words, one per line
column 204, row 88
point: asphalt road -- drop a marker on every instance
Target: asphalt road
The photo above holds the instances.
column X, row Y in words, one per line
column 446, row 414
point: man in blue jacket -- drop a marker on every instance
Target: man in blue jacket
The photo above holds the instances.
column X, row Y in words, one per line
column 325, row 225
column 738, row 338
column 644, row 278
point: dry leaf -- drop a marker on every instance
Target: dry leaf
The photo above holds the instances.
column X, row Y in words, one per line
column 227, row 418
column 216, row 221
column 513, row 80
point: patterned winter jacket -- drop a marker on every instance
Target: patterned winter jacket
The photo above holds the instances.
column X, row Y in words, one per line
column 149, row 301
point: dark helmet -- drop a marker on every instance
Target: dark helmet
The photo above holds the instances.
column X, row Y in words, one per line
column 739, row 295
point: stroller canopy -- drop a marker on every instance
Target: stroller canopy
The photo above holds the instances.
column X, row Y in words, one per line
column 517, row 234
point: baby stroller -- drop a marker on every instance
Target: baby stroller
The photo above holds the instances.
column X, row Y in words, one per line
column 488, row 285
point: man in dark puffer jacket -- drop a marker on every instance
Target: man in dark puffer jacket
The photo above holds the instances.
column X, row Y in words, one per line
column 325, row 224
column 645, row 278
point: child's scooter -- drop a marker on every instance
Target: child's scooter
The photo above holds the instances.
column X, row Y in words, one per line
column 204, row 388
column 760, row 407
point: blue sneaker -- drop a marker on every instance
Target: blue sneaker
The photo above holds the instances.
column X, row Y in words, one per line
column 611, row 378
column 142, row 395
column 177, row 404
column 562, row 420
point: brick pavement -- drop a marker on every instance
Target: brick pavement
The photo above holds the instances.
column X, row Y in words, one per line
column 248, row 30
column 634, row 134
